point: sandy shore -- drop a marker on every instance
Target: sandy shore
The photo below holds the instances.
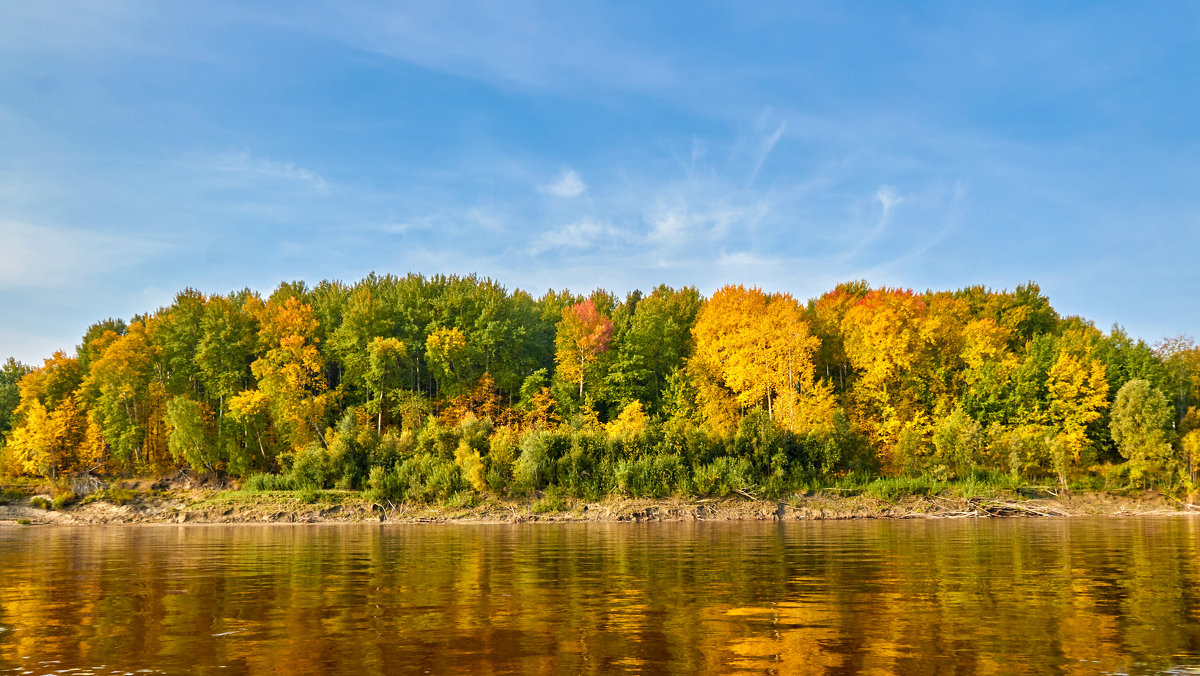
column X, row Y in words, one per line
column 205, row 505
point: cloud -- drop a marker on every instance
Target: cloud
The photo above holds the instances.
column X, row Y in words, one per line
column 768, row 144
column 247, row 165
column 582, row 234
column 569, row 184
column 888, row 199
column 36, row 256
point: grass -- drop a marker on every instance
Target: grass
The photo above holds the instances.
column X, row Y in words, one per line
column 8, row 496
column 24, row 522
column 977, row 484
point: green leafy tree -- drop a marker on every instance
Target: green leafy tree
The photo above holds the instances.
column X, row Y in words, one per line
column 10, row 395
column 385, row 358
column 188, row 438
column 1140, row 420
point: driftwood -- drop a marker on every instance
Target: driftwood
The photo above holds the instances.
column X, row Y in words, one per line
column 86, row 484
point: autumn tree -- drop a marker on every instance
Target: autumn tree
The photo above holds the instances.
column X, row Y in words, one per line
column 883, row 342
column 757, row 347
column 189, row 439
column 125, row 398
column 446, row 355
column 1077, row 395
column 290, row 373
column 583, row 335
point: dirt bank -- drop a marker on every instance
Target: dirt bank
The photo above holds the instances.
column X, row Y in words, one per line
column 146, row 502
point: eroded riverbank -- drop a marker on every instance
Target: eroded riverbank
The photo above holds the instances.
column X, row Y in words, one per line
column 201, row 505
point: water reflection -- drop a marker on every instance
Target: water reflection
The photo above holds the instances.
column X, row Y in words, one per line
column 994, row 596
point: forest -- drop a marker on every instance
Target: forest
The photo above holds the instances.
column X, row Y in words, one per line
column 448, row 388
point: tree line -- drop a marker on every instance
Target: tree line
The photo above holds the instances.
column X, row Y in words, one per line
column 447, row 387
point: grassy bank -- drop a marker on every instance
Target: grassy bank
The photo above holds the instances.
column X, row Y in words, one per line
column 190, row 501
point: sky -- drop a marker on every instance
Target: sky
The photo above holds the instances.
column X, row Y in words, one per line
column 146, row 147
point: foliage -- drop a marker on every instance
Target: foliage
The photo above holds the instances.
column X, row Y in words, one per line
column 447, row 388
column 1140, row 420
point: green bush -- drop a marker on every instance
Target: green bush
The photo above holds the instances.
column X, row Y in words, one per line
column 8, row 496
column 117, row 496
column 533, row 466
column 890, row 488
column 652, row 476
column 550, row 502
column 258, row 483
column 63, row 499
column 464, row 500
column 421, row 478
column 313, row 468
column 40, row 503
column 723, row 476
column 383, row 485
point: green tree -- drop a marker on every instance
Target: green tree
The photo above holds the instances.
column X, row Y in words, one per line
column 10, row 395
column 188, row 438
column 1140, row 420
column 385, row 357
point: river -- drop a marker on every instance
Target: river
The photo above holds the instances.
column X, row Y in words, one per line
column 1114, row 595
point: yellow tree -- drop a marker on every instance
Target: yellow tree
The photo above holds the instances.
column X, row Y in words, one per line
column 125, row 399
column 884, row 342
column 48, row 442
column 752, row 349
column 1078, row 394
column 446, row 355
column 291, row 373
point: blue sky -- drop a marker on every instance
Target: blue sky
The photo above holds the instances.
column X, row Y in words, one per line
column 147, row 147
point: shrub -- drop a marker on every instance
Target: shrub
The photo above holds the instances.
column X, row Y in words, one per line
column 383, row 485
column 651, row 476
column 722, row 476
column 419, row 478
column 312, row 468
column 117, row 496
column 40, row 503
column 532, row 467
column 63, row 499
column 471, row 464
column 258, row 483
column 464, row 500
column 550, row 502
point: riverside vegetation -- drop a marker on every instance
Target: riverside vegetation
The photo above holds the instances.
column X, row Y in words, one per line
column 453, row 390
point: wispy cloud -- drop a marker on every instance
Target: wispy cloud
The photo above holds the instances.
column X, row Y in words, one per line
column 569, row 184
column 37, row 256
column 258, row 167
column 585, row 233
column 768, row 144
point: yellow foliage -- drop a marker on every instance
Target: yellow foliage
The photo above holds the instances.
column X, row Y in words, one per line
column 472, row 465
column 631, row 422
column 543, row 410
column 291, row 373
column 758, row 347
column 1078, row 391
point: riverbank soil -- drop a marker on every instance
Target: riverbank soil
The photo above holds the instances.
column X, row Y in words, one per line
column 191, row 501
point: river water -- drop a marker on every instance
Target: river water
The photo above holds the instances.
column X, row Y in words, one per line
column 896, row 597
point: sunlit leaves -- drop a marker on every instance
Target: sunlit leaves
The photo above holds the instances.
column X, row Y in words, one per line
column 583, row 335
